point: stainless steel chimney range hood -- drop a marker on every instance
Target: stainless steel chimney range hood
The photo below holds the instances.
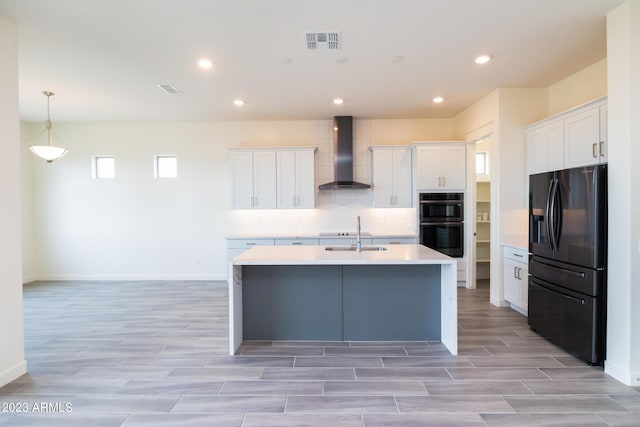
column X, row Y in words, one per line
column 343, row 160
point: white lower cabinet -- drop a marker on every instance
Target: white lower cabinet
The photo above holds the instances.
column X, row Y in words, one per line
column 236, row 246
column 297, row 242
column 516, row 278
column 395, row 240
column 461, row 271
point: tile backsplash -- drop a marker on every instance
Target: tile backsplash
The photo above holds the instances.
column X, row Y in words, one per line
column 335, row 210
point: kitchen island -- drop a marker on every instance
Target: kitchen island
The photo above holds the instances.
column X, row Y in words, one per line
column 309, row 293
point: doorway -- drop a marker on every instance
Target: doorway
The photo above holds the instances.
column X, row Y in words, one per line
column 481, row 215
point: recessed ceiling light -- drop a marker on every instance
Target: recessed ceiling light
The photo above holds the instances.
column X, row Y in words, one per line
column 338, row 101
column 397, row 58
column 438, row 99
column 238, row 102
column 205, row 63
column 285, row 61
column 482, row 59
column 342, row 60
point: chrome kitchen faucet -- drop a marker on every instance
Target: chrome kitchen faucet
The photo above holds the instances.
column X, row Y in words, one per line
column 358, row 240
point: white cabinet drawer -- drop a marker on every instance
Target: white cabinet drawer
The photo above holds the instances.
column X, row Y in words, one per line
column 394, row 240
column 296, row 242
column 247, row 243
column 516, row 254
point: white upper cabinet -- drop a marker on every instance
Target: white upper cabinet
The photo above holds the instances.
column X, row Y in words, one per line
column 269, row 178
column 575, row 138
column 440, row 166
column 296, row 180
column 254, row 179
column 545, row 148
column 582, row 142
column 391, row 177
column 604, row 140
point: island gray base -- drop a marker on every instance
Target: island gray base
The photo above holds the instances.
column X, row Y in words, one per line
column 341, row 303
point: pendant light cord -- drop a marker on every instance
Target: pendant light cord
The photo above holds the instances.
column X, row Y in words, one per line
column 47, row 123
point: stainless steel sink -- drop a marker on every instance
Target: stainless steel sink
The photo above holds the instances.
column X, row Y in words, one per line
column 354, row 249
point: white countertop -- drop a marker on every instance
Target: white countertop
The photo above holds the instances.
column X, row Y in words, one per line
column 317, row 255
column 351, row 235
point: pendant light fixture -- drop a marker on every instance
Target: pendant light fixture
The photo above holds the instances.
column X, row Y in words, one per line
column 48, row 152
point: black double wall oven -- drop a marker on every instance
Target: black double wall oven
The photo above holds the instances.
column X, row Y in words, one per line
column 442, row 222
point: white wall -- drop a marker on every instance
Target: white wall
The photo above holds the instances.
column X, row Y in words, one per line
column 623, row 317
column 12, row 363
column 29, row 248
column 517, row 108
column 505, row 112
column 399, row 131
column 579, row 88
column 139, row 227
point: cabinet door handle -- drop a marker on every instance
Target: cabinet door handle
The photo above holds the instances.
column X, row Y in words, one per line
column 515, row 272
column 518, row 255
column 593, row 150
column 296, row 243
column 250, row 243
column 255, row 201
column 601, row 148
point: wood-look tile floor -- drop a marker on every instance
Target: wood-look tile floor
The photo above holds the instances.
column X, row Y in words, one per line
column 155, row 354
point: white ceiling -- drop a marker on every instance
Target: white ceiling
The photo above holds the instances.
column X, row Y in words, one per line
column 104, row 58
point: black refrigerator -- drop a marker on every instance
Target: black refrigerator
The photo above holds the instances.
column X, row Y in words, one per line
column 568, row 259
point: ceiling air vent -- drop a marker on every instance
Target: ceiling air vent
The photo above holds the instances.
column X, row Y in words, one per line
column 170, row 89
column 327, row 40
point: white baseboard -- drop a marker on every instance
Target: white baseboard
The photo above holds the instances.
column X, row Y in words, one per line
column 621, row 374
column 29, row 278
column 13, row 373
column 125, row 277
column 519, row 310
column 499, row 302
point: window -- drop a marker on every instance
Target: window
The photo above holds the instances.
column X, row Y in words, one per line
column 166, row 167
column 103, row 167
column 482, row 163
